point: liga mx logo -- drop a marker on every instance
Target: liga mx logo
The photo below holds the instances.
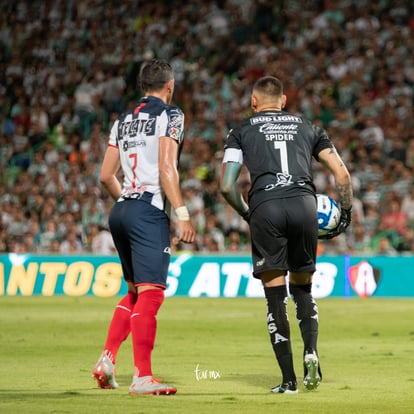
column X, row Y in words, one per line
column 364, row 279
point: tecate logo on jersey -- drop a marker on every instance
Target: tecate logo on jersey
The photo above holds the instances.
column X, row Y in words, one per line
column 137, row 126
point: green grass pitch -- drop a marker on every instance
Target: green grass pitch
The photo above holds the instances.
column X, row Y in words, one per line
column 215, row 351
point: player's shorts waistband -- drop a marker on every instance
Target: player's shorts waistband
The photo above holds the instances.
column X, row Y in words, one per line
column 145, row 196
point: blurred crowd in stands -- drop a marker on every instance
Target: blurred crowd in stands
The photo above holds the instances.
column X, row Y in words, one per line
column 69, row 67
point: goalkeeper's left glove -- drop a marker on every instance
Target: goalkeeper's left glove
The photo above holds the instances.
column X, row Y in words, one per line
column 344, row 221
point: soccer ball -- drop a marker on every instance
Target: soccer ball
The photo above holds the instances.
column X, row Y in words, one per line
column 328, row 213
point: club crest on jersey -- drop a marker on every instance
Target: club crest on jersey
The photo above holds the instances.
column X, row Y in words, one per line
column 283, row 180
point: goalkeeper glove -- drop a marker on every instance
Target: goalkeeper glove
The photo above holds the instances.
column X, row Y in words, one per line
column 344, row 221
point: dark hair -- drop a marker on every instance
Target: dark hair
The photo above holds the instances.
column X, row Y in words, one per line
column 154, row 74
column 269, row 85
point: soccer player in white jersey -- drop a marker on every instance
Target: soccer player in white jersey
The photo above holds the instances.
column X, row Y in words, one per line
column 145, row 144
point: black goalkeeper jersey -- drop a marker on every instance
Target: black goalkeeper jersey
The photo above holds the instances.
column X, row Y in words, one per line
column 277, row 148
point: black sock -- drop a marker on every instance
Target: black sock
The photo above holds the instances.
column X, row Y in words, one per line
column 306, row 314
column 279, row 330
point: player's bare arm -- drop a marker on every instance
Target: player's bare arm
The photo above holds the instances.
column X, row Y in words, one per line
column 109, row 169
column 170, row 182
column 331, row 159
column 229, row 188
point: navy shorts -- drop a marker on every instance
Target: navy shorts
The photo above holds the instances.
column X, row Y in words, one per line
column 141, row 234
column 284, row 235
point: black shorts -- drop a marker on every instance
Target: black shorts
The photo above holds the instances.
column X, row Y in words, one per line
column 284, row 235
column 141, row 234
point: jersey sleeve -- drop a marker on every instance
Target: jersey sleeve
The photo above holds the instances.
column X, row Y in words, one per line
column 175, row 124
column 232, row 148
column 322, row 142
column 113, row 135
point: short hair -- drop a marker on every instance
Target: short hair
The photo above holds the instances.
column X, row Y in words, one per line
column 154, row 74
column 269, row 85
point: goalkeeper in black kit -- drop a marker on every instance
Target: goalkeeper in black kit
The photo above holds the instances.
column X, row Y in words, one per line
column 277, row 148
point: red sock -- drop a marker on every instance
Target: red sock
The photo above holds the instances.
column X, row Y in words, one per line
column 120, row 325
column 143, row 329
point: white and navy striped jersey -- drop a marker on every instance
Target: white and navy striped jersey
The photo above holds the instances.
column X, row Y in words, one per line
column 136, row 134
